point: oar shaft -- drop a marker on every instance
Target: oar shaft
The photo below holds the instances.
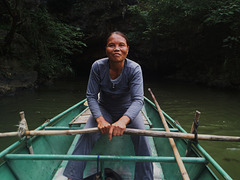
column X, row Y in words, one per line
column 180, row 135
column 61, row 132
column 139, row 132
column 172, row 143
column 8, row 134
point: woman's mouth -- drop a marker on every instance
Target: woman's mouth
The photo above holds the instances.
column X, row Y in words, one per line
column 116, row 54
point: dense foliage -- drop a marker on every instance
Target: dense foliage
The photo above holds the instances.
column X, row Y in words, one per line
column 55, row 42
column 191, row 40
column 198, row 39
column 36, row 39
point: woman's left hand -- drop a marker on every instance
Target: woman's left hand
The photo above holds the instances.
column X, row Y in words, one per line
column 118, row 128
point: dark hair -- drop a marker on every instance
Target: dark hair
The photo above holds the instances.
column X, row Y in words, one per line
column 118, row 33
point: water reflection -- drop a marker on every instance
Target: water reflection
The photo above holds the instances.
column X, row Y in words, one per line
column 220, row 115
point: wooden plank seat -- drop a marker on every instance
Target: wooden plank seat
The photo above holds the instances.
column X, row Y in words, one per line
column 83, row 117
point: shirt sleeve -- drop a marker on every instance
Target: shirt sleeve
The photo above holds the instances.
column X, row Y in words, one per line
column 93, row 89
column 137, row 94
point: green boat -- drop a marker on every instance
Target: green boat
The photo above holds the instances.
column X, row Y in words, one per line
column 52, row 152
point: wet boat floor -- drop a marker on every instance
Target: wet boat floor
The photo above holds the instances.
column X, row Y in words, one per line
column 120, row 146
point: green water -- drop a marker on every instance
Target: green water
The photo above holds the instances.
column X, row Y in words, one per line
column 220, row 112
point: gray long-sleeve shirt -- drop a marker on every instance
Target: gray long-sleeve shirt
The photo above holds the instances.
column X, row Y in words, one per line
column 123, row 95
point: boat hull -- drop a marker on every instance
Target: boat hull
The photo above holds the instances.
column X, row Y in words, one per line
column 52, row 152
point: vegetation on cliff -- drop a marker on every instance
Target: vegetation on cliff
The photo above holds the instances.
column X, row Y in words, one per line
column 191, row 40
column 38, row 40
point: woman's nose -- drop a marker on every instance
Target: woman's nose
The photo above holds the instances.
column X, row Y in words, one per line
column 116, row 48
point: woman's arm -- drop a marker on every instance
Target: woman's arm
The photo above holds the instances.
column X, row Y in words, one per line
column 93, row 89
column 137, row 94
column 92, row 97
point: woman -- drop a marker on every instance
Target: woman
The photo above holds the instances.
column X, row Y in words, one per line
column 120, row 84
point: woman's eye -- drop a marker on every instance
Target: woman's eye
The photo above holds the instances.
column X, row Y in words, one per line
column 110, row 45
column 121, row 45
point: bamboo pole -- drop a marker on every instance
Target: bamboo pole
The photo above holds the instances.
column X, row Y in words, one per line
column 8, row 134
column 172, row 143
column 129, row 131
column 181, row 135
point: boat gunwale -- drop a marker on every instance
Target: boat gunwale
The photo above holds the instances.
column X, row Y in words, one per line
column 197, row 146
column 20, row 142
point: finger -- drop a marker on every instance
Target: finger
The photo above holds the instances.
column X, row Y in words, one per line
column 103, row 129
column 121, row 132
column 115, row 132
column 110, row 133
column 107, row 128
column 118, row 131
column 99, row 127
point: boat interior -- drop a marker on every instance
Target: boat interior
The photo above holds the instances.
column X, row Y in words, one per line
column 51, row 153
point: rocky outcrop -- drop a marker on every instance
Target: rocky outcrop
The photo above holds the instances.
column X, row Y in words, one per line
column 14, row 80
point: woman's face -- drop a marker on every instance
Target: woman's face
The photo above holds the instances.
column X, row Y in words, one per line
column 117, row 48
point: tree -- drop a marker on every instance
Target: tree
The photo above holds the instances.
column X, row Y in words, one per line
column 14, row 9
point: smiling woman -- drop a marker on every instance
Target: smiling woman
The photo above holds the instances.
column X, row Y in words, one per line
column 117, row 51
column 117, row 47
column 119, row 82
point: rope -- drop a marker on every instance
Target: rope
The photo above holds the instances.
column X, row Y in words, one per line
column 98, row 173
column 22, row 128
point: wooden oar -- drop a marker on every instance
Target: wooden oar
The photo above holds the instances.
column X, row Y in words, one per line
column 181, row 135
column 8, row 134
column 127, row 131
column 172, row 143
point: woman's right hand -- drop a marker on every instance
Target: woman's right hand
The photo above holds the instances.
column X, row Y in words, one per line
column 103, row 125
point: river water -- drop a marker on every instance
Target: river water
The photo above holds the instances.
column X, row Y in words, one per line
column 220, row 112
